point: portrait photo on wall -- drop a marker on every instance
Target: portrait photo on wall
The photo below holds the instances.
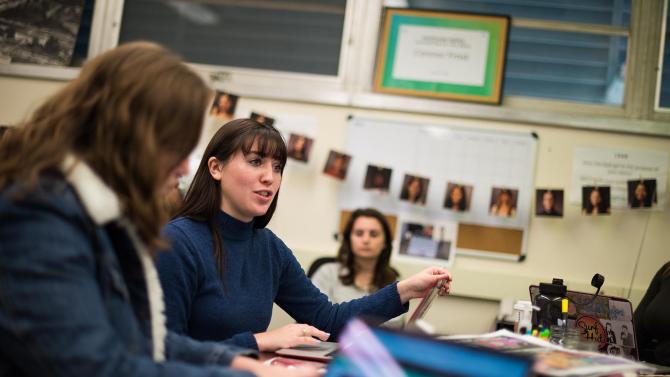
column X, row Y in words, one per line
column 503, row 202
column 377, row 178
column 337, row 165
column 642, row 193
column 458, row 197
column 299, row 147
column 419, row 240
column 596, row 200
column 224, row 105
column 549, row 202
column 262, row 119
column 414, row 189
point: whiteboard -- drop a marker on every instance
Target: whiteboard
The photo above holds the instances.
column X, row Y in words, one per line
column 481, row 158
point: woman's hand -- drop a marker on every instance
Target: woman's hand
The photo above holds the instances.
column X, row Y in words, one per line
column 263, row 370
column 419, row 284
column 289, row 336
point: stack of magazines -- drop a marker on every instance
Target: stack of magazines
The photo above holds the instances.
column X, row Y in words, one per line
column 551, row 359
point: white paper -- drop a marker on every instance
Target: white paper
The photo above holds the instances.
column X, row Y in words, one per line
column 614, row 167
column 443, row 55
column 550, row 359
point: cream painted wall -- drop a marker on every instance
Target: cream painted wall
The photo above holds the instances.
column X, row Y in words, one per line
column 574, row 247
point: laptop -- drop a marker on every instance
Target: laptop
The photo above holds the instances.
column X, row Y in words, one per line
column 325, row 351
column 388, row 352
column 607, row 321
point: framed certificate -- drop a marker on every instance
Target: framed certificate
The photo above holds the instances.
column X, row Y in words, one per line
column 446, row 55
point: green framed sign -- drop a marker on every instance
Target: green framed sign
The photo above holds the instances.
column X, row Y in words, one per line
column 445, row 55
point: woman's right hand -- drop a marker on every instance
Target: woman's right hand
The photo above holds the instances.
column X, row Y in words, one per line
column 419, row 284
column 289, row 336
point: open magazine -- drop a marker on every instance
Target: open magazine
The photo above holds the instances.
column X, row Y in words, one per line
column 551, row 359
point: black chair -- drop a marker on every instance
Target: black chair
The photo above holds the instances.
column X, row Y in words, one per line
column 318, row 263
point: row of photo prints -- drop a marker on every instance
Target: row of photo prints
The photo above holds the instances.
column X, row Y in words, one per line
column 503, row 203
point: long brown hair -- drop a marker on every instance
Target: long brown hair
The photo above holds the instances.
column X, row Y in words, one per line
column 128, row 110
column 666, row 271
column 384, row 274
column 203, row 199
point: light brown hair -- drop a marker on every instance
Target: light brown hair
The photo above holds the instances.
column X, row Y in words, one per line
column 129, row 108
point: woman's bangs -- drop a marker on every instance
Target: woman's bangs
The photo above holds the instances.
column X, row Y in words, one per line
column 269, row 144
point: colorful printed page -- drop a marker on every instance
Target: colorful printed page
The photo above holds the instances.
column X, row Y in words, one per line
column 551, row 359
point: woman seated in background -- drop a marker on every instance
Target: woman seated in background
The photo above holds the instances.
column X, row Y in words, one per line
column 226, row 269
column 652, row 320
column 81, row 188
column 362, row 265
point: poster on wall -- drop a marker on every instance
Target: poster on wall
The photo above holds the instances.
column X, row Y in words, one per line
column 622, row 170
column 39, row 31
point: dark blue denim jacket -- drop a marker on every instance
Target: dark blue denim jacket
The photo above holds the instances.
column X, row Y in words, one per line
column 73, row 299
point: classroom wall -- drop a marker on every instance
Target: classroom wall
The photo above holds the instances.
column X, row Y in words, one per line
column 574, row 247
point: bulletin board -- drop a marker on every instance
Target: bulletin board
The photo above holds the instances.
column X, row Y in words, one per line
column 483, row 159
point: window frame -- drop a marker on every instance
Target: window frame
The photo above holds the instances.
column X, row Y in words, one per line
column 657, row 108
column 353, row 84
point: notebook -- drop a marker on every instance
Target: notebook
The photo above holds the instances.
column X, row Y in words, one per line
column 325, row 351
column 607, row 320
column 387, row 352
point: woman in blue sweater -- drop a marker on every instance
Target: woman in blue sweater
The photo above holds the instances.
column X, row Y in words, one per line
column 226, row 269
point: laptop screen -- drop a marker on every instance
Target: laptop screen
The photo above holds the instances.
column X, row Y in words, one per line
column 607, row 320
column 368, row 352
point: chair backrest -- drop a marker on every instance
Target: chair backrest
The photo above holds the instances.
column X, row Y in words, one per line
column 318, row 263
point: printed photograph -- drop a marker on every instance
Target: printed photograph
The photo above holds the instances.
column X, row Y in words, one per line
column 299, row 147
column 337, row 165
column 377, row 178
column 458, row 197
column 620, row 335
column 642, row 193
column 503, row 202
column 549, row 202
column 223, row 106
column 596, row 200
column 39, row 31
column 414, row 189
column 419, row 240
column 262, row 119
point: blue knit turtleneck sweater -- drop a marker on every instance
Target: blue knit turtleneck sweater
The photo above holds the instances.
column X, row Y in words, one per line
column 259, row 270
